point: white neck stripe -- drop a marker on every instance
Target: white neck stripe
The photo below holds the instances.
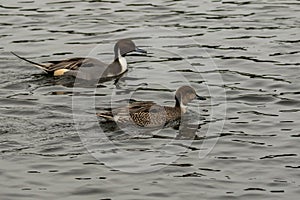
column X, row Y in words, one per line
column 183, row 107
column 123, row 64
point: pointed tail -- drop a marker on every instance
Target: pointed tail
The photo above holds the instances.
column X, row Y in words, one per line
column 106, row 116
column 38, row 65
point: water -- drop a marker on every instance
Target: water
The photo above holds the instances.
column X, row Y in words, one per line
column 242, row 55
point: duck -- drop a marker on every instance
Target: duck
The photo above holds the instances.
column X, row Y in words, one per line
column 149, row 114
column 91, row 68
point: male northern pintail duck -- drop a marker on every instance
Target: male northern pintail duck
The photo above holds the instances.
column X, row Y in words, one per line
column 149, row 114
column 91, row 68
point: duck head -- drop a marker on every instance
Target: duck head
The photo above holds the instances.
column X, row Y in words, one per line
column 184, row 95
column 125, row 46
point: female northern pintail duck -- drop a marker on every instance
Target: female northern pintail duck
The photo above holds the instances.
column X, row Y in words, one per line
column 91, row 68
column 149, row 114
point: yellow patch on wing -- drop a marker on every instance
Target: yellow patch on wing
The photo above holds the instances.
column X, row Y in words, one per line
column 60, row 72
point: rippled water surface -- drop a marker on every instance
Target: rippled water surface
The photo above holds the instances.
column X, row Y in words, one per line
column 242, row 55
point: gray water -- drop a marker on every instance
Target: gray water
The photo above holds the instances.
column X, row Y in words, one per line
column 243, row 56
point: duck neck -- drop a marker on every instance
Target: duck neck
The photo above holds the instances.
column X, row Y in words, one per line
column 116, row 68
column 121, row 61
column 177, row 103
column 180, row 105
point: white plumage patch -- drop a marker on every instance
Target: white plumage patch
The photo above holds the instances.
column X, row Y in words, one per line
column 183, row 107
column 123, row 64
column 116, row 118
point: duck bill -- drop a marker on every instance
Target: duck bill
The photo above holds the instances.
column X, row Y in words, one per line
column 137, row 52
column 142, row 51
column 200, row 98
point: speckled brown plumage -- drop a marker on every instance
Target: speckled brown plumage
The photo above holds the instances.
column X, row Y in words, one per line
column 149, row 114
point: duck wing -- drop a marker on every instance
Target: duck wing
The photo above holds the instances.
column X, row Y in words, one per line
column 126, row 111
column 82, row 68
column 74, row 64
column 140, row 106
column 148, row 114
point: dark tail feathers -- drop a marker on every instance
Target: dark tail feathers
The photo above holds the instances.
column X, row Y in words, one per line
column 38, row 65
